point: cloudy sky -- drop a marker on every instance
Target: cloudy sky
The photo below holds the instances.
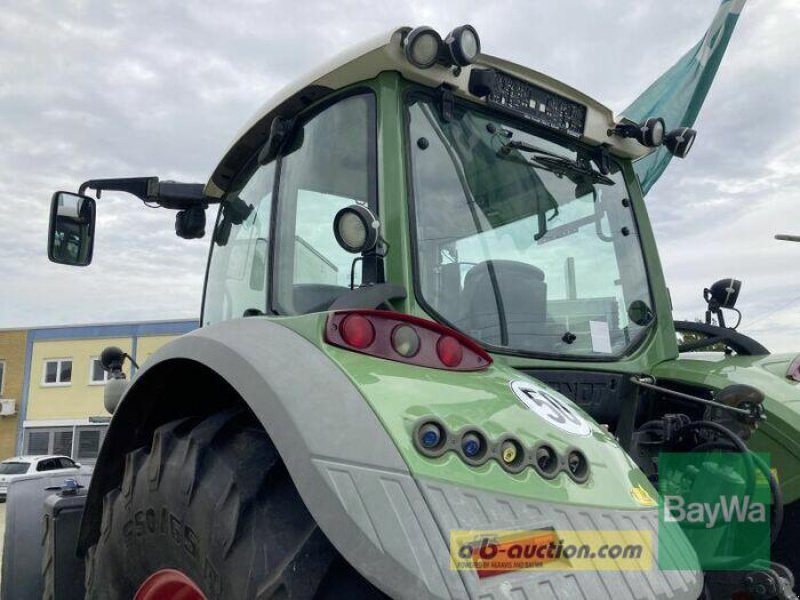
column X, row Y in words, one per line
column 108, row 88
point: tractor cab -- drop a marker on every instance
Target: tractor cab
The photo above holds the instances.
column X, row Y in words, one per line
column 447, row 255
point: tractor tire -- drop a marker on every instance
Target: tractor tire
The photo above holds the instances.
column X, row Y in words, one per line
column 211, row 499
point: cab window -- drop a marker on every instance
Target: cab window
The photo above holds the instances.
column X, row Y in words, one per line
column 329, row 165
column 237, row 272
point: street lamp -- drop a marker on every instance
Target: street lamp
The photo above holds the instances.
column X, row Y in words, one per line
column 787, row 238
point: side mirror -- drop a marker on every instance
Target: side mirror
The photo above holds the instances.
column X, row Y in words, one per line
column 71, row 235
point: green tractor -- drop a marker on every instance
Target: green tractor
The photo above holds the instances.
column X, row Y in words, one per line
column 433, row 304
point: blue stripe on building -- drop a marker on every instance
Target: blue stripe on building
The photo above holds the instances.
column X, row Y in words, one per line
column 77, row 332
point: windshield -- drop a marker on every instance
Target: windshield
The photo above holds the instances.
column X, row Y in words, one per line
column 13, row 468
column 521, row 242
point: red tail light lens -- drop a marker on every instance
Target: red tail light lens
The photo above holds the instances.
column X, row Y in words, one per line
column 449, row 351
column 357, row 331
column 403, row 338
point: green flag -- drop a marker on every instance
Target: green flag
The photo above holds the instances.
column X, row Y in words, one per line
column 679, row 93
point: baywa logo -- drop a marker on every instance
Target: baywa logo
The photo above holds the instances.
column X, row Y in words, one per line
column 709, row 514
column 721, row 502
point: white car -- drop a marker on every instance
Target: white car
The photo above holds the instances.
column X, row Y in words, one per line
column 26, row 465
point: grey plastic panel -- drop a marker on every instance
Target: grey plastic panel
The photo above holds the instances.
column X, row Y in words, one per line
column 459, row 508
column 346, row 468
column 22, row 546
column 391, row 513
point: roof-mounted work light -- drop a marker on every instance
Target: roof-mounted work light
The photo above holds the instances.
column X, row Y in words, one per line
column 679, row 141
column 649, row 133
column 463, row 45
column 422, row 47
column 356, row 229
column 722, row 294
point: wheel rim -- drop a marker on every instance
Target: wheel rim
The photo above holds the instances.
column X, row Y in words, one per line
column 169, row 584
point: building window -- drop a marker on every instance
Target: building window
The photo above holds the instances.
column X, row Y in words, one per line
column 62, row 442
column 88, row 444
column 2, row 375
column 79, row 442
column 37, row 442
column 97, row 374
column 57, row 372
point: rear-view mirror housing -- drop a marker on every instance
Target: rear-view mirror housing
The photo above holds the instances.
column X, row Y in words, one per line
column 70, row 239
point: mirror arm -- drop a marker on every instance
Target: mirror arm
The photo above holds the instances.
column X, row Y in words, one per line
column 167, row 194
column 144, row 188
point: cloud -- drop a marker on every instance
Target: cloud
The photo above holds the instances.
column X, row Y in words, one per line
column 103, row 89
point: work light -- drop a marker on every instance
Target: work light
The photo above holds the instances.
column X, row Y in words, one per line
column 463, row 45
column 649, row 133
column 422, row 47
column 725, row 292
column 356, row 229
column 679, row 141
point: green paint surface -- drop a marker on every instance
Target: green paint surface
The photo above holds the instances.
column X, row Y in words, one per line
column 402, row 394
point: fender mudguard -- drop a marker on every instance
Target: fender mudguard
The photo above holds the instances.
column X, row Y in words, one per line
column 346, row 468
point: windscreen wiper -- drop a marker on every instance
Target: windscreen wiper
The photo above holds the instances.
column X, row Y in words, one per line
column 578, row 171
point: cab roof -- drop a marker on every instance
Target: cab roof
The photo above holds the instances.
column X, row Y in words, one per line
column 384, row 53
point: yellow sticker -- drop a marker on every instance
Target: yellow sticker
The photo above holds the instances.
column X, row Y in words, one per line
column 642, row 496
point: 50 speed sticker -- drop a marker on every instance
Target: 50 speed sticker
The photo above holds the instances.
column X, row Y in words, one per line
column 550, row 407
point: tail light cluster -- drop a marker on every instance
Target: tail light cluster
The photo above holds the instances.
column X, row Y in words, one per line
column 403, row 338
column 433, row 439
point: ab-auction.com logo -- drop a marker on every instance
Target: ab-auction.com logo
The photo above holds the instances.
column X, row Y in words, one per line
column 492, row 552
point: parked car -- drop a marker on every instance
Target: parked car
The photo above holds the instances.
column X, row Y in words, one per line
column 25, row 465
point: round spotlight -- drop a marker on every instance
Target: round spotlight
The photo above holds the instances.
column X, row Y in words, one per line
column 578, row 466
column 473, row 446
column 546, row 461
column 405, row 341
column 431, row 436
column 679, row 141
column 357, row 331
column 725, row 292
column 422, row 47
column 651, row 132
column 356, row 229
column 463, row 44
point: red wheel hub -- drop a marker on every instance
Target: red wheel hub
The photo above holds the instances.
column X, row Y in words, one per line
column 169, row 584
